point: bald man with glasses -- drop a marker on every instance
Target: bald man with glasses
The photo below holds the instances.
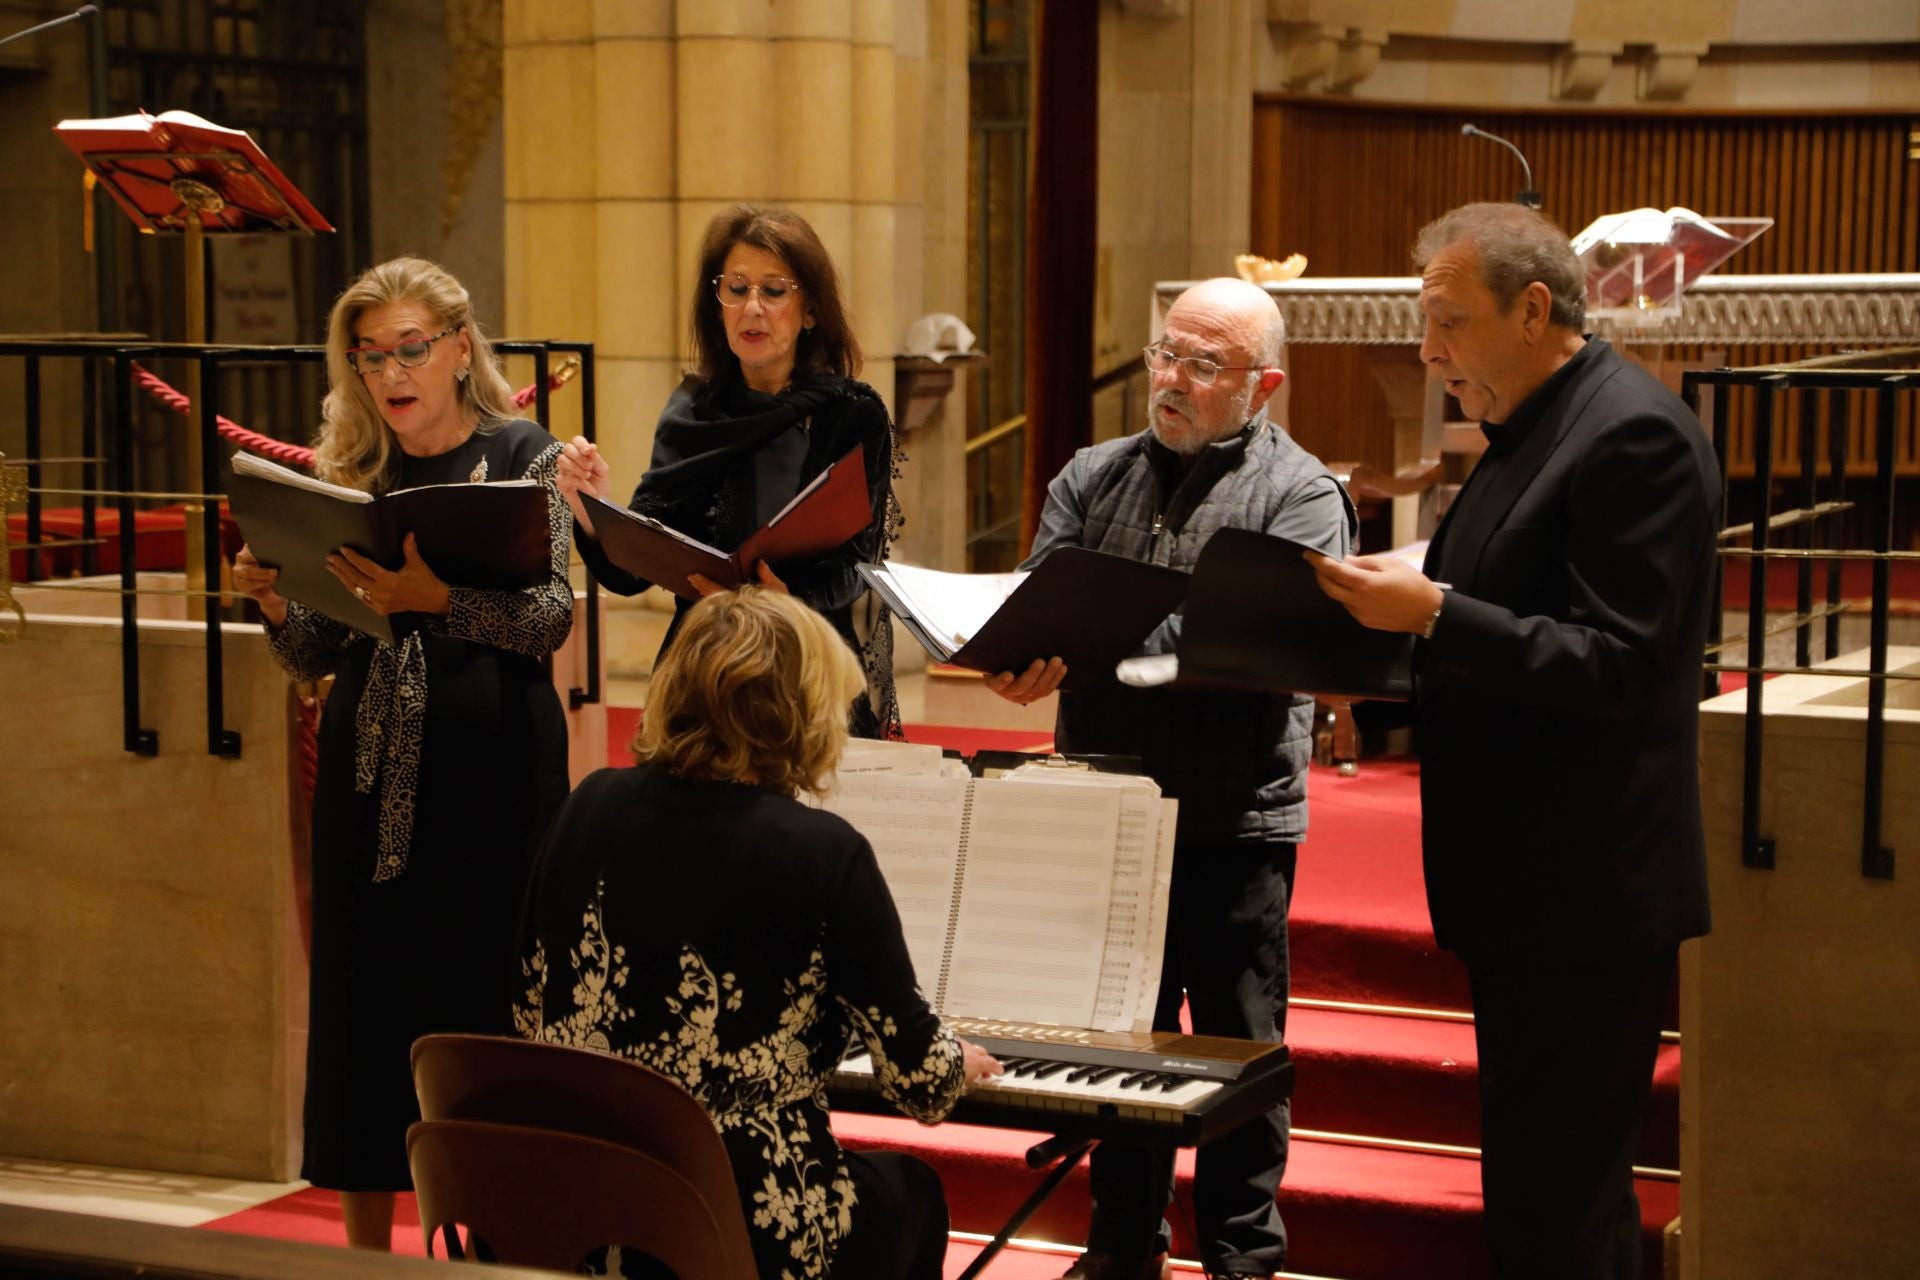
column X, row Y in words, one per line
column 1208, row 460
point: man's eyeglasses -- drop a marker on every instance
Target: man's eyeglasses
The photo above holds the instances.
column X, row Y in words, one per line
column 775, row 291
column 1199, row 369
column 410, row 354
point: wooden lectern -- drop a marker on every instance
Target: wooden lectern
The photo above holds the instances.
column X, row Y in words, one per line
column 177, row 173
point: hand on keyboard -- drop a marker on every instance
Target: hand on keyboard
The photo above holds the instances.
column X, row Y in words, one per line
column 981, row 1066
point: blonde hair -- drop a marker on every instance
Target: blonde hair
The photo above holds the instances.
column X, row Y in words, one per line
column 756, row 688
column 355, row 446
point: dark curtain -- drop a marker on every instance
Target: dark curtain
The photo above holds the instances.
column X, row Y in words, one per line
column 1060, row 245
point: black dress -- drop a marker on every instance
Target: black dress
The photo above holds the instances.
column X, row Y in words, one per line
column 726, row 458
column 730, row 938
column 442, row 759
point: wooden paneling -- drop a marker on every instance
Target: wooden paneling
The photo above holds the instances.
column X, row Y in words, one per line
column 1350, row 185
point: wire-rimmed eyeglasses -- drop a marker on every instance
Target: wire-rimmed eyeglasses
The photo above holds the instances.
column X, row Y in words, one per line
column 775, row 291
column 410, row 354
column 1199, row 368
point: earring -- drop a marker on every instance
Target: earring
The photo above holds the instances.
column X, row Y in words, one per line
column 460, row 374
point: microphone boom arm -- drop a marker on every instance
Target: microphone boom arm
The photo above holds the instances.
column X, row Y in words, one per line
column 1528, row 195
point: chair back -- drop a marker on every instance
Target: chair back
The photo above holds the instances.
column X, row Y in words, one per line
column 541, row 1198
column 506, row 1080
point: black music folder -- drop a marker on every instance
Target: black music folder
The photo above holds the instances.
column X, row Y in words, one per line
column 1256, row 619
column 1087, row 607
column 492, row 536
column 821, row 517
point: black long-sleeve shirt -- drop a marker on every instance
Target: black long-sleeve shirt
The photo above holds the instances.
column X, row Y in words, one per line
column 731, row 938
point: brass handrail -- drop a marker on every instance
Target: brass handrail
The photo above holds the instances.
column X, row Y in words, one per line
column 988, row 438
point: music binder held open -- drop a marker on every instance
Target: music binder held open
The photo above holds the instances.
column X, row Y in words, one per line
column 492, row 536
column 824, row 515
column 1256, row 619
column 1087, row 607
column 1037, row 897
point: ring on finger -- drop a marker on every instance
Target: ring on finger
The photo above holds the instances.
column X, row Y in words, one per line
column 366, row 597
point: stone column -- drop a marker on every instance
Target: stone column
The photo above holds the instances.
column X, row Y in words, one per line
column 630, row 124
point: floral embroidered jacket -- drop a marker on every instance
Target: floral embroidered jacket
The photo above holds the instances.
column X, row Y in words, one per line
column 733, row 939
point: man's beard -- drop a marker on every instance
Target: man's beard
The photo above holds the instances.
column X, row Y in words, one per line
column 1191, row 436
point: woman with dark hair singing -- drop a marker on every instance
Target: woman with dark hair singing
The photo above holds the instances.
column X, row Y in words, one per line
column 770, row 403
column 692, row 915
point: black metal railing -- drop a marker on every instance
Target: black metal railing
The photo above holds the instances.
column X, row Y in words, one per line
column 1883, row 380
column 110, row 401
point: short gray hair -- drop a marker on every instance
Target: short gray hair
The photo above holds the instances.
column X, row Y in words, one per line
column 1518, row 246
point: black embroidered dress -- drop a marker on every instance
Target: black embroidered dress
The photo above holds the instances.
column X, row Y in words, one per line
column 442, row 759
column 730, row 938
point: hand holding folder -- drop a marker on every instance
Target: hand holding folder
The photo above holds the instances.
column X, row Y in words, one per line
column 822, row 517
column 1256, row 619
column 492, row 536
column 1086, row 607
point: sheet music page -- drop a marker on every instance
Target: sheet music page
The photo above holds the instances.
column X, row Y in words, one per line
column 246, row 464
column 1033, row 902
column 1154, row 944
column 1129, row 944
column 913, row 824
column 951, row 606
column 873, row 755
column 1130, row 953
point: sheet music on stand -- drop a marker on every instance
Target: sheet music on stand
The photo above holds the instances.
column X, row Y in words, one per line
column 176, row 171
column 1639, row 263
column 1039, row 896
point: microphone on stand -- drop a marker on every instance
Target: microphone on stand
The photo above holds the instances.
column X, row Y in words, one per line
column 1528, row 196
column 84, row 11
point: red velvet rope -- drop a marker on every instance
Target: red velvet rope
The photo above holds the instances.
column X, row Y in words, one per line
column 309, row 745
column 280, row 450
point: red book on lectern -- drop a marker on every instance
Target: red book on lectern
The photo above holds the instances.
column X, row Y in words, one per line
column 139, row 157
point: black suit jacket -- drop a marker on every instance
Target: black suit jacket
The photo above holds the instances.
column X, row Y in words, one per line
column 1558, row 700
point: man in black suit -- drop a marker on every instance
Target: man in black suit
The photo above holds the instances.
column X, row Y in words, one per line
column 1564, row 613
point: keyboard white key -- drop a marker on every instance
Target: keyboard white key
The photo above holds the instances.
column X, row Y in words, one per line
column 1120, row 1088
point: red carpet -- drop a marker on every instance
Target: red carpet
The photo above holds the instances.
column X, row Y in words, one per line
column 313, row 1217
column 1360, row 934
column 159, row 540
column 1357, row 1212
column 1856, row 583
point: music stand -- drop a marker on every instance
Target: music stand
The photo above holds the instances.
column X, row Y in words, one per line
column 176, row 173
column 1639, row 263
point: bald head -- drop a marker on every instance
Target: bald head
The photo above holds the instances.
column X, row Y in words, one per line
column 1229, row 340
column 1252, row 307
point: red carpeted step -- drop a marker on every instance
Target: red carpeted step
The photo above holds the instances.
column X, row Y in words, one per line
column 312, row 1216
column 1414, row 1079
column 967, row 739
column 1358, row 1213
column 1358, row 925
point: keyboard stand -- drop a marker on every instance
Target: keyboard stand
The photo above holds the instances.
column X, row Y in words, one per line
column 1069, row 1152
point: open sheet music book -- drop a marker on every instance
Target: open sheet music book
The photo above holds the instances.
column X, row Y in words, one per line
column 139, row 156
column 493, row 536
column 1088, row 607
column 823, row 516
column 1037, row 897
column 1642, row 260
